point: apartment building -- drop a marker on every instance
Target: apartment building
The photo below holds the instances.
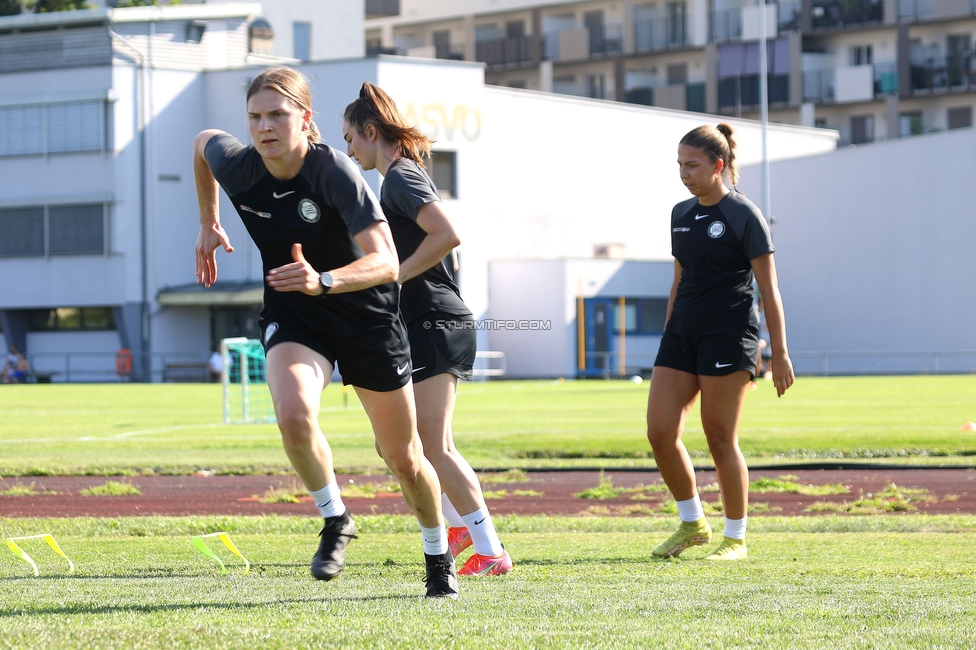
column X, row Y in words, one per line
column 870, row 69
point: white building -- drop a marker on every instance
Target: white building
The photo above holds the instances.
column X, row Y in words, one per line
column 98, row 213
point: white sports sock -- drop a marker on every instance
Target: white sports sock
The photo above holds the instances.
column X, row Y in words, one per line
column 483, row 534
column 691, row 509
column 329, row 500
column 735, row 528
column 435, row 540
column 451, row 515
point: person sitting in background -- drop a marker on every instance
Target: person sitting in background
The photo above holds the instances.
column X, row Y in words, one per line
column 215, row 366
column 16, row 368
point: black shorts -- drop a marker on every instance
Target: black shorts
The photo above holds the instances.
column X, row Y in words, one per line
column 713, row 355
column 442, row 343
column 377, row 358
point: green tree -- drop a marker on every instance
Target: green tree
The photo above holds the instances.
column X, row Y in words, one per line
column 10, row 7
column 46, row 6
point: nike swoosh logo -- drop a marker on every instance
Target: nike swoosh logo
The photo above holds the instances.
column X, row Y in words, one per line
column 722, row 365
column 263, row 215
column 402, row 370
column 282, row 195
column 700, row 216
column 479, row 522
column 420, row 368
column 326, row 504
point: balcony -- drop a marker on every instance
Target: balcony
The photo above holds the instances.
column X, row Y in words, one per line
column 838, row 14
column 453, row 51
column 500, row 52
column 581, row 44
column 665, row 33
column 743, row 22
column 683, row 97
column 850, row 84
column 382, row 8
column 912, row 10
column 739, row 93
column 948, row 74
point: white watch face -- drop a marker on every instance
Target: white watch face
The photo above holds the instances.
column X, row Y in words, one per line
column 326, row 280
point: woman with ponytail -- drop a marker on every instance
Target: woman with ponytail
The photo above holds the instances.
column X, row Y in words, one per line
column 439, row 324
column 330, row 297
column 720, row 242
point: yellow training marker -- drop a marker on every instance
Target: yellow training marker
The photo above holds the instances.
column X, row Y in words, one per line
column 203, row 548
column 19, row 552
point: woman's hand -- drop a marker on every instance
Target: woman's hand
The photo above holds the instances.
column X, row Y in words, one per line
column 206, row 251
column 297, row 276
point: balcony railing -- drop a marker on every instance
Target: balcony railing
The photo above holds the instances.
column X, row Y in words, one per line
column 726, row 24
column 664, row 33
column 381, row 8
column 736, row 93
column 504, row 51
column 825, row 85
column 583, row 43
column 831, row 14
column 910, row 10
column 453, row 51
column 953, row 73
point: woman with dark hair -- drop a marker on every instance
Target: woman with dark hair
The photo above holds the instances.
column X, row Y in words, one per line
column 330, row 297
column 720, row 242
column 439, row 324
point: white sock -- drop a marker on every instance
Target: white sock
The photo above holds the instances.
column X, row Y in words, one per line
column 451, row 515
column 735, row 528
column 329, row 500
column 483, row 534
column 691, row 509
column 435, row 540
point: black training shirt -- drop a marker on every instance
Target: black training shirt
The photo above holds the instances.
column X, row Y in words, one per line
column 406, row 188
column 321, row 208
column 715, row 245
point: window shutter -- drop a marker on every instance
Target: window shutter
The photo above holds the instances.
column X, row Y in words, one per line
column 75, row 126
column 76, row 229
column 22, row 232
column 21, row 130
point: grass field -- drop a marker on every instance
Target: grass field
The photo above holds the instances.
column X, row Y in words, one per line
column 176, row 428
column 811, row 582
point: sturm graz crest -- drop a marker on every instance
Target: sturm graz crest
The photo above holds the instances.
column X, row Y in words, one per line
column 309, row 211
column 716, row 229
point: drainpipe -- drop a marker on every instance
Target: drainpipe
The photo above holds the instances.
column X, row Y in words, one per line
column 143, row 360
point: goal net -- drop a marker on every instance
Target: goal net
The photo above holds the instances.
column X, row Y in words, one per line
column 247, row 399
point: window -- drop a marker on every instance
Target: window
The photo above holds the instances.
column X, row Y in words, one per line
column 442, row 166
column 960, row 117
column 41, row 231
column 862, row 55
column 642, row 315
column 677, row 73
column 862, row 129
column 195, row 30
column 302, row 46
column 910, row 124
column 69, row 127
column 71, row 318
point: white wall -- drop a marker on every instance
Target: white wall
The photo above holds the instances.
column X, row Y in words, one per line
column 874, row 248
column 337, row 26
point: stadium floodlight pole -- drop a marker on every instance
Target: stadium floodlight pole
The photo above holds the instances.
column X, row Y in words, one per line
column 764, row 109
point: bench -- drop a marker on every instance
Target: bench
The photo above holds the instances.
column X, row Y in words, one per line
column 186, row 371
column 40, row 376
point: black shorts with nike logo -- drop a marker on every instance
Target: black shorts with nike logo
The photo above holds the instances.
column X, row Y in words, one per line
column 714, row 355
column 376, row 358
column 440, row 343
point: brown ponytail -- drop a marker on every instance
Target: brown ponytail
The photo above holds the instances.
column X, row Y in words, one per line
column 293, row 85
column 718, row 142
column 376, row 107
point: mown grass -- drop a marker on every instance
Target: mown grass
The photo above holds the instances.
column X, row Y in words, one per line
column 838, row 582
column 176, row 428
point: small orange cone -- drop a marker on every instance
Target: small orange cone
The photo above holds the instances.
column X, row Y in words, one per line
column 969, row 426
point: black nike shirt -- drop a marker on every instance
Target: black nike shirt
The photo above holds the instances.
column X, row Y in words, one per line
column 406, row 188
column 715, row 246
column 322, row 208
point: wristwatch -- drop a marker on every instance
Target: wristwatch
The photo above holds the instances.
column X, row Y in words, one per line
column 326, row 280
